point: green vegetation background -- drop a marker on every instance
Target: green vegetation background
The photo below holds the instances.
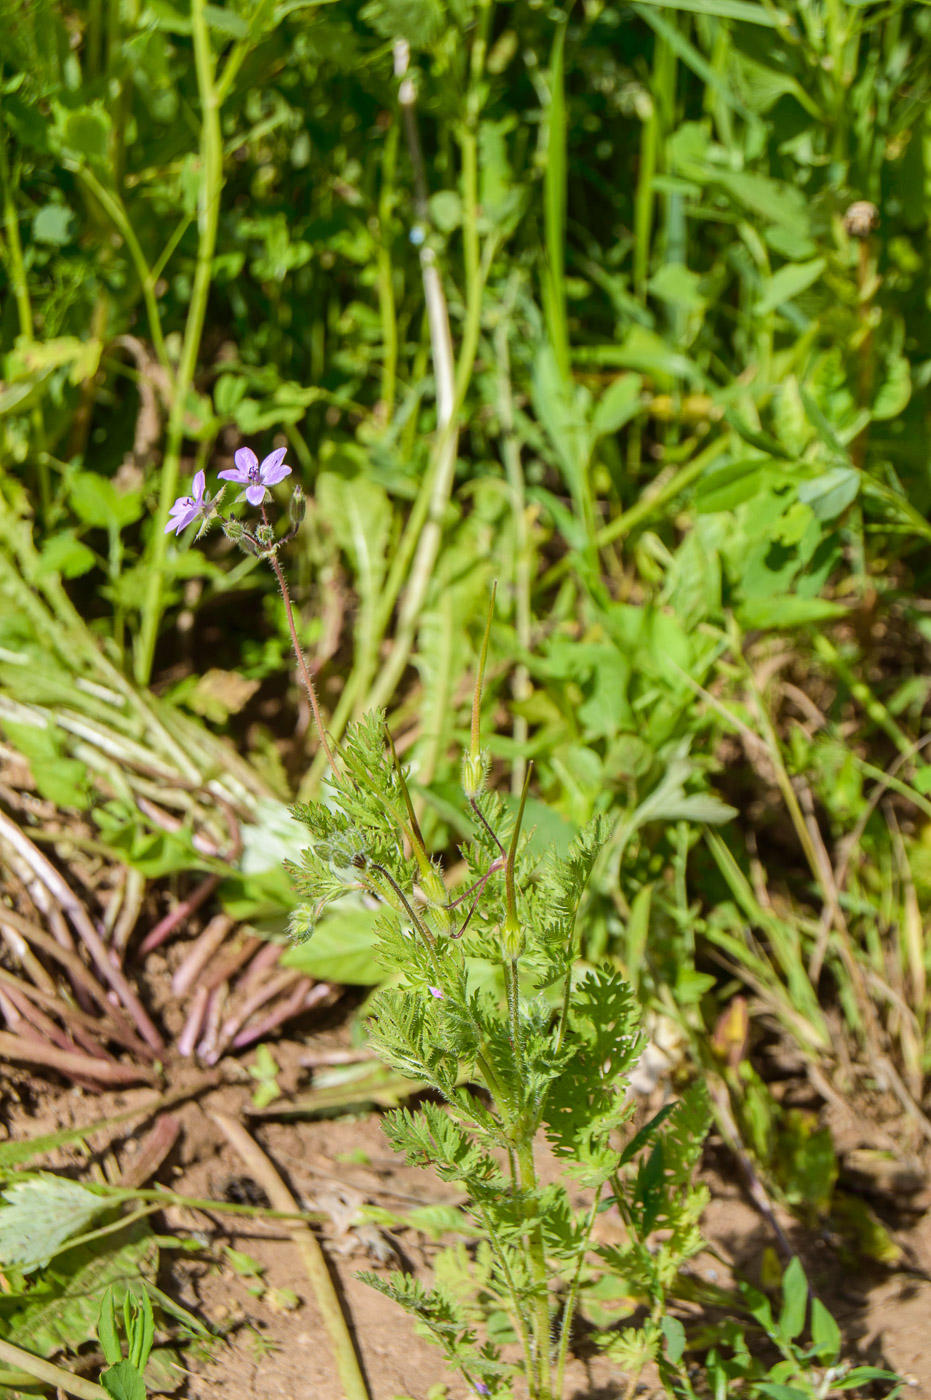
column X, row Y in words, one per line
column 623, row 306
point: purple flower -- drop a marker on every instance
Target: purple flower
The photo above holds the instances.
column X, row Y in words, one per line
column 435, row 992
column 247, row 472
column 188, row 508
column 481, row 1388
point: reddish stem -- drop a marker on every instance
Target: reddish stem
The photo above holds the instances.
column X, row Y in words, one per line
column 166, row 926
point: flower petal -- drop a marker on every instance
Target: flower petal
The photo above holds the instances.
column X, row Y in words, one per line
column 245, row 460
column 271, row 464
column 276, row 474
column 255, row 494
column 234, row 474
column 200, row 482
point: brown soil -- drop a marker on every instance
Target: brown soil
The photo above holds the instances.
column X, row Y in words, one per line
column 277, row 1348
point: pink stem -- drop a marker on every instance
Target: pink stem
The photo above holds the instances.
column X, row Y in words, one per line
column 166, row 926
column 302, row 999
column 264, row 959
column 202, row 950
column 192, row 1026
column 259, row 998
column 71, row 1064
column 212, row 1019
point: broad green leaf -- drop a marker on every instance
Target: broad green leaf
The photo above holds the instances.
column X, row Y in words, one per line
column 84, row 131
column 52, row 224
column 61, row 1310
column 728, row 487
column 446, row 210
column 770, row 199
column 830, row 494
column 420, row 22
column 359, row 514
column 674, row 1333
column 787, row 283
column 895, row 390
column 676, row 283
column 786, row 610
column 123, row 1382
column 97, row 502
column 39, row 1215
column 794, row 1301
column 226, row 22
column 340, row 949
column 65, row 554
column 825, row 1333
column 619, row 403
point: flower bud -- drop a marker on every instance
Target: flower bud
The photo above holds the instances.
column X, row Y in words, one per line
column 235, row 530
column 297, row 506
column 512, row 938
column 264, row 536
column 474, row 773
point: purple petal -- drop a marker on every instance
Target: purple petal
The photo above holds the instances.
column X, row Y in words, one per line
column 200, row 482
column 245, row 460
column 234, row 474
column 435, row 992
column 255, row 495
column 276, row 474
column 184, row 510
column 272, row 471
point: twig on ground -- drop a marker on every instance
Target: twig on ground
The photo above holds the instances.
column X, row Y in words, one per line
column 312, row 1256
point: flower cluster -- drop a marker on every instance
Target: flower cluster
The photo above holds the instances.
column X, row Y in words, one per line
column 256, row 477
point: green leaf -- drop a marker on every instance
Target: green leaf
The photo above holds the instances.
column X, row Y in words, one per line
column 420, row 22
column 674, row 1333
column 123, row 1382
column 61, row 1310
column 830, row 494
column 728, row 9
column 781, row 1392
column 359, row 514
column 52, row 224
column 825, row 1333
column 340, row 949
column 786, row 610
column 446, row 210
column 226, row 22
column 894, row 392
column 107, row 1330
column 85, row 131
column 794, row 1301
column 97, row 502
column 39, row 1215
column 676, row 283
column 787, row 283
column 772, row 200
column 861, row 1374
column 730, row 486
column 619, row 403
column 65, row 554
